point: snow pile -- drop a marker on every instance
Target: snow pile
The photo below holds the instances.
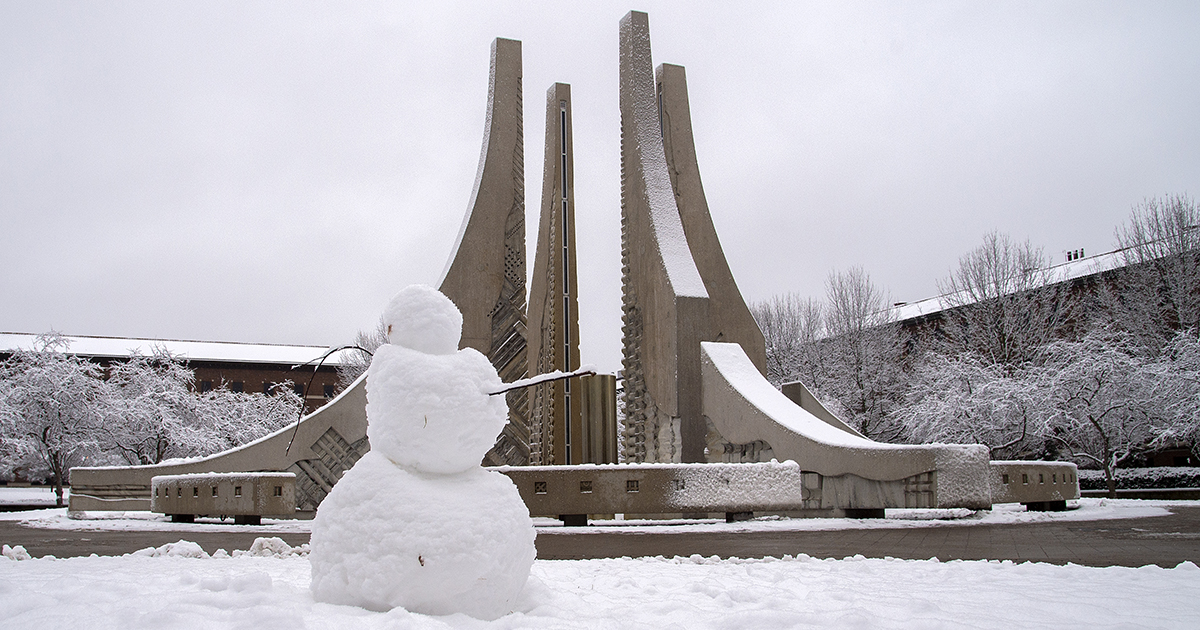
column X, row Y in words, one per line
column 417, row 523
column 273, row 547
column 14, row 553
column 181, row 549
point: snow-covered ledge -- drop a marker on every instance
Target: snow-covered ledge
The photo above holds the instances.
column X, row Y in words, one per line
column 246, row 496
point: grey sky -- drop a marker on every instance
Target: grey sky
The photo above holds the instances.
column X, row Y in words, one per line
column 274, row 172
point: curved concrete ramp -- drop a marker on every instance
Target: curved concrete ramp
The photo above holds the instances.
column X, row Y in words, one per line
column 328, row 442
column 744, row 407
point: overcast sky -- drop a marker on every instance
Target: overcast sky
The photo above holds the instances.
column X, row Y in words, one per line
column 275, row 171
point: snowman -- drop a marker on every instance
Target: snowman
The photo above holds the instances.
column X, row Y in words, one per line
column 417, row 522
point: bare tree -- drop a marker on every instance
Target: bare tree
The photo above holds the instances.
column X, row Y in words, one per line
column 49, row 406
column 1158, row 292
column 356, row 360
column 791, row 326
column 1003, row 302
column 864, row 353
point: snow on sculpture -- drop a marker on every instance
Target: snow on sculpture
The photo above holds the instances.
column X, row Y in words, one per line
column 417, row 522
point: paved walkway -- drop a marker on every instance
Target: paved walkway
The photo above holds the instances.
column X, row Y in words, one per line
column 1164, row 540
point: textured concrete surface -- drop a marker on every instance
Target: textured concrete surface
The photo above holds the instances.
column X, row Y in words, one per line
column 1163, row 540
column 664, row 302
column 555, row 419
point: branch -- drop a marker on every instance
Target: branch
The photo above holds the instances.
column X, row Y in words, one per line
column 556, row 375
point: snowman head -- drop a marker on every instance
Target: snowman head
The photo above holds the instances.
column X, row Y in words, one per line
column 423, row 319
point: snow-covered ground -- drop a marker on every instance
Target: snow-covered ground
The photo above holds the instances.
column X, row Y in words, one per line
column 32, row 495
column 165, row 588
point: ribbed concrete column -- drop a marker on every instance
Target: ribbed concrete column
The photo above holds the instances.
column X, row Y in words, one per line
column 485, row 276
column 555, row 407
column 664, row 302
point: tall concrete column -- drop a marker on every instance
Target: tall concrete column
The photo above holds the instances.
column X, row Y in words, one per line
column 555, row 407
column 485, row 276
column 664, row 301
column 729, row 318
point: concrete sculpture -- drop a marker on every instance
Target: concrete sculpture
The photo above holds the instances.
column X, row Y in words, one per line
column 555, row 415
column 729, row 317
column 326, row 444
column 693, row 356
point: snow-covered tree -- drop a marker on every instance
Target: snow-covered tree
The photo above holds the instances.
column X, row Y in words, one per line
column 1158, row 292
column 1175, row 378
column 1004, row 303
column 50, row 406
column 1103, row 399
column 153, row 413
column 228, row 419
column 968, row 400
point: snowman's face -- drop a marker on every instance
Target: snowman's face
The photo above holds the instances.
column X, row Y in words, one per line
column 423, row 319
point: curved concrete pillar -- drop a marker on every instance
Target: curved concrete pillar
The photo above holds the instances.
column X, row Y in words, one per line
column 485, row 275
column 664, row 302
column 554, row 414
column 729, row 318
column 745, row 407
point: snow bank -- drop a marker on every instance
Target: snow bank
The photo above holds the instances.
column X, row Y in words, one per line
column 14, row 553
column 1142, row 478
column 181, row 549
column 272, row 547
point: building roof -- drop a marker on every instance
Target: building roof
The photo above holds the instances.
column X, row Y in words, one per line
column 1086, row 266
column 223, row 351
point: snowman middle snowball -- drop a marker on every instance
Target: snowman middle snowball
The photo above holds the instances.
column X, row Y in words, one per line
column 425, row 406
column 417, row 522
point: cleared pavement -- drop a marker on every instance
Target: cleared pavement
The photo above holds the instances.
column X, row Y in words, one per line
column 1163, row 540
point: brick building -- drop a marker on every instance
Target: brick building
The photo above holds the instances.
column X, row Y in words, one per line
column 246, row 367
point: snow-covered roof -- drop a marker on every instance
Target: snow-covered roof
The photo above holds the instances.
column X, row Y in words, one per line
column 225, row 351
column 1083, row 267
